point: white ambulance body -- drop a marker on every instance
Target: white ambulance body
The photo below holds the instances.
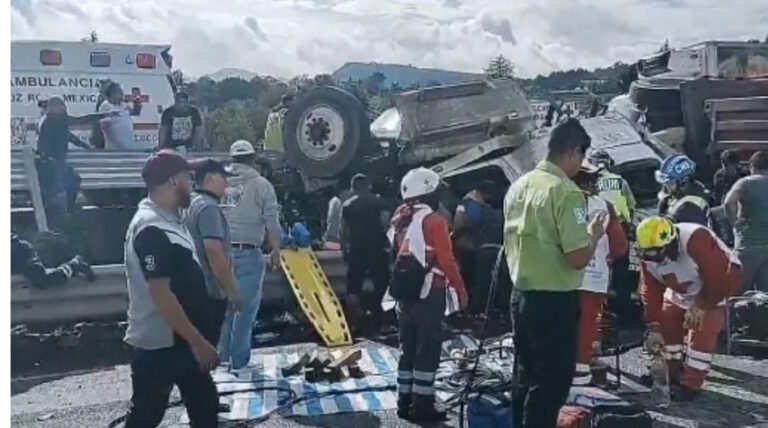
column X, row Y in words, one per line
column 74, row 70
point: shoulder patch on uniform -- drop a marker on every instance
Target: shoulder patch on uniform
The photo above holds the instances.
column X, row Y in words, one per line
column 580, row 214
column 149, row 261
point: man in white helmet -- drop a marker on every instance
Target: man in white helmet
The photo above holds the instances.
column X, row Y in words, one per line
column 425, row 280
column 251, row 208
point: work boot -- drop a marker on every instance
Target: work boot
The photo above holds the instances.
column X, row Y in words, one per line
column 404, row 406
column 682, row 393
column 80, row 266
column 424, row 411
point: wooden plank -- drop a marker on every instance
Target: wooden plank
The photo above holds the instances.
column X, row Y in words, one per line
column 34, row 188
column 736, row 104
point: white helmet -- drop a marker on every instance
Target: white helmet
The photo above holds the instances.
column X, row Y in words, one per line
column 241, row 148
column 418, row 182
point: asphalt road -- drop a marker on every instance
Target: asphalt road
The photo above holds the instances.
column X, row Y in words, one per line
column 736, row 395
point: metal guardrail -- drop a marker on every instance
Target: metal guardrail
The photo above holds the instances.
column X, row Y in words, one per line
column 98, row 169
column 107, row 297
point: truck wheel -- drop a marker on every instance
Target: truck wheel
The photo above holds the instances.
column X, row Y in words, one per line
column 322, row 131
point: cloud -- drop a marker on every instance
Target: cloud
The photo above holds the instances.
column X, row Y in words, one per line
column 498, row 26
column 253, row 25
column 290, row 37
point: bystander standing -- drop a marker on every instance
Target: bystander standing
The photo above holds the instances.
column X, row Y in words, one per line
column 172, row 320
column 118, row 126
column 548, row 242
column 366, row 250
column 747, row 208
column 210, row 231
column 181, row 126
column 250, row 207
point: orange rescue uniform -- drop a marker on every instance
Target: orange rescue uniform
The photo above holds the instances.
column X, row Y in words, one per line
column 704, row 274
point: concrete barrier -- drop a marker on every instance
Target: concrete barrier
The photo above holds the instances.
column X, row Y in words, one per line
column 107, row 297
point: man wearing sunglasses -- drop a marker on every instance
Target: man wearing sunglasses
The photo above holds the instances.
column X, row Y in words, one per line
column 686, row 275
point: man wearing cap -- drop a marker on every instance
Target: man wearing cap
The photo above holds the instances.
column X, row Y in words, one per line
column 173, row 322
column 365, row 247
column 251, row 208
column 181, row 125
column 548, row 241
column 210, row 230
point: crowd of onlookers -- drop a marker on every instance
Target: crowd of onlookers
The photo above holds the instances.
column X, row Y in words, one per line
column 195, row 263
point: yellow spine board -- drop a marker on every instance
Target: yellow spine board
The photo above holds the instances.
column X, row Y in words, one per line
column 315, row 295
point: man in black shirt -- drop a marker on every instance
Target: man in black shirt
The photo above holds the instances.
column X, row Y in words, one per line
column 172, row 320
column 366, row 250
column 181, row 125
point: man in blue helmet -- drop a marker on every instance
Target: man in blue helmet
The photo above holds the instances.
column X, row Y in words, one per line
column 683, row 199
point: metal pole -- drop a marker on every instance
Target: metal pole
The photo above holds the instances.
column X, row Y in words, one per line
column 30, row 170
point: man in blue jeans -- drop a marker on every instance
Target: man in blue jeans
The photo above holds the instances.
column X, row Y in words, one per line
column 251, row 209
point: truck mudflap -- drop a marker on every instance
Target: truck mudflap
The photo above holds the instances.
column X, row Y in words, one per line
column 315, row 295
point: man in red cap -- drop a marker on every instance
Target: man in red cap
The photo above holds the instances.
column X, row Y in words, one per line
column 173, row 322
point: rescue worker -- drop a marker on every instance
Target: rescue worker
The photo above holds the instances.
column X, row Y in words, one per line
column 273, row 134
column 547, row 242
column 251, row 208
column 683, row 199
column 686, row 275
column 26, row 261
column 615, row 189
column 597, row 274
column 366, row 250
column 420, row 235
column 747, row 207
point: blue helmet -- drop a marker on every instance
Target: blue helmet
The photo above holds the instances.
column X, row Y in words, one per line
column 676, row 169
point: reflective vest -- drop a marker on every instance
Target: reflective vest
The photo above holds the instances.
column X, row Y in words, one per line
column 609, row 186
column 685, row 269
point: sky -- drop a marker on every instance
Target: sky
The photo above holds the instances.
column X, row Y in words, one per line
column 285, row 38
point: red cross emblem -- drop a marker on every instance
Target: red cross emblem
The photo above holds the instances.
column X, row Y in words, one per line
column 136, row 92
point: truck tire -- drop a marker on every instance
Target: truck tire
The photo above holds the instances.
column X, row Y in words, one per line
column 322, row 131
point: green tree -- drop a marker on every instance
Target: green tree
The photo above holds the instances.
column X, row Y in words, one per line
column 233, row 88
column 271, row 96
column 324, row 80
column 206, row 93
column 228, row 124
column 179, row 81
column 500, row 68
column 375, row 83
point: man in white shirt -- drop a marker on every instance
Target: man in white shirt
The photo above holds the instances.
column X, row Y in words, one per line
column 118, row 127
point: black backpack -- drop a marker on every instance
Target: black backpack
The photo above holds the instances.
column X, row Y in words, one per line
column 407, row 278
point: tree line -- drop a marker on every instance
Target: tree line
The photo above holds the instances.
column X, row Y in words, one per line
column 235, row 108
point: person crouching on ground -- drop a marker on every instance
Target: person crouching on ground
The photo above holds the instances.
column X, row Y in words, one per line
column 425, row 273
column 686, row 275
column 597, row 274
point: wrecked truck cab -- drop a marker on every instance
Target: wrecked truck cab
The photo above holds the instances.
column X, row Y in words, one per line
column 437, row 122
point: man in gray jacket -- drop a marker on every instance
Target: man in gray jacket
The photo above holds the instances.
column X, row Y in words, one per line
column 251, row 209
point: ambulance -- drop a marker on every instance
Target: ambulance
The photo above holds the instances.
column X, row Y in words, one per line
column 74, row 71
